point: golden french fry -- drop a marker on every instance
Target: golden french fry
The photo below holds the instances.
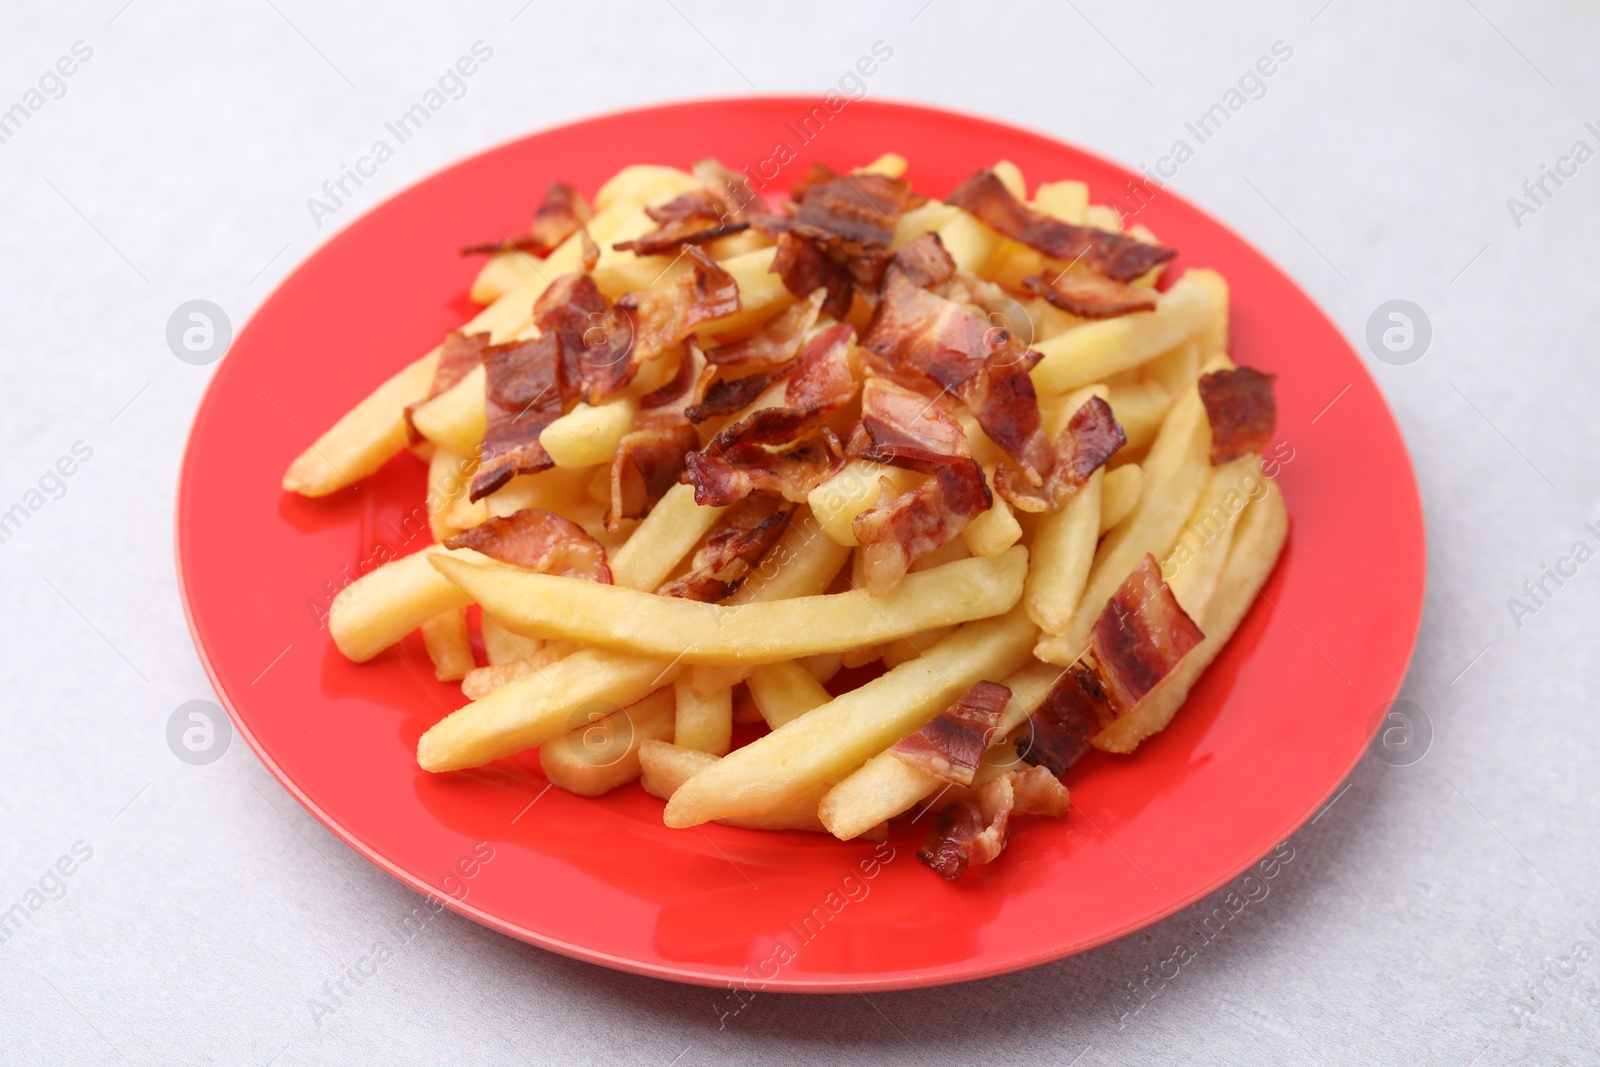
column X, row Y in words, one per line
column 545, row 704
column 600, row 755
column 455, row 419
column 449, row 479
column 378, row 609
column 588, row 435
column 1194, row 566
column 1062, row 553
column 822, row 666
column 667, row 766
column 969, row 242
column 1119, row 494
column 994, row 531
column 1176, row 370
column 761, row 295
column 481, row 681
column 449, row 646
column 661, row 541
column 905, row 649
column 608, row 616
column 785, row 691
column 824, row 745
column 1102, row 217
column 837, row 501
column 1010, row 176
column 890, row 164
column 1098, row 350
column 1140, row 407
column 1257, row 541
column 704, row 722
column 925, row 218
column 554, row 489
column 802, row 563
column 365, row 438
column 1067, row 201
column 886, row 785
column 500, row 645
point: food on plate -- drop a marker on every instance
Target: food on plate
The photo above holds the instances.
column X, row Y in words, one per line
column 819, row 514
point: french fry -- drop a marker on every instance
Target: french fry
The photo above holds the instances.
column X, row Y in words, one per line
column 1061, row 555
column 449, row 647
column 1174, row 371
column 704, row 722
column 455, row 419
column 925, row 218
column 837, row 501
column 886, row 785
column 822, row 666
column 969, row 242
column 1067, row 201
column 502, row 273
column 785, row 691
column 603, row 753
column 802, row 563
column 890, row 164
column 546, row 704
column 1139, row 408
column 642, row 183
column 588, row 435
column 661, row 541
column 1100, row 349
column 608, row 616
column 905, row 649
column 449, row 479
column 1010, row 176
column 761, row 295
column 1102, row 217
column 1194, row 566
column 824, row 745
column 1119, row 493
column 378, row 609
column 500, row 645
column 667, row 766
column 1257, row 541
column 994, row 531
column 554, row 489
column 1177, row 470
column 365, row 438
column 481, row 681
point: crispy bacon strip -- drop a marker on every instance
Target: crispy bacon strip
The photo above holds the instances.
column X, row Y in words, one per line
column 1091, row 297
column 919, row 334
column 895, row 533
column 805, row 268
column 951, row 746
column 976, row 828
column 840, row 235
column 457, row 357
column 728, row 395
column 902, row 427
column 688, row 387
column 791, row 473
column 924, row 261
column 649, row 461
column 778, row 340
column 1242, row 409
column 742, row 538
column 1060, row 731
column 558, row 217
column 662, row 318
column 1114, row 255
column 522, row 397
column 540, row 540
column 1048, row 473
column 820, row 384
column 739, row 199
column 694, row 217
column 595, row 340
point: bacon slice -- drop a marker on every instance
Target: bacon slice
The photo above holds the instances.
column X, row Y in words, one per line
column 595, row 340
column 924, row 261
column 688, row 387
column 1048, row 473
column 840, row 235
column 917, row 333
column 739, row 199
column 741, row 540
column 778, row 340
column 694, row 217
column 951, row 746
column 558, row 217
column 458, row 356
column 522, row 397
column 805, row 268
column 1242, row 409
column 820, row 384
column 649, row 461
column 540, row 540
column 1114, row 255
column 791, row 472
column 1090, row 297
column 662, row 318
column 1060, row 731
column 728, row 395
column 902, row 427
column 895, row 533
column 976, row 828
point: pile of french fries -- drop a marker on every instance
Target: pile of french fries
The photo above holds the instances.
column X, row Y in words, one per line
column 616, row 682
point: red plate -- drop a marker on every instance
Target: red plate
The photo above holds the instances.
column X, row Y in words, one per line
column 1276, row 724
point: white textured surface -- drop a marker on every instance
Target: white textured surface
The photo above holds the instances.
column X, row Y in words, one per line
column 1414, row 911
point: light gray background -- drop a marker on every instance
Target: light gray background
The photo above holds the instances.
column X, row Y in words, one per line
column 1416, row 908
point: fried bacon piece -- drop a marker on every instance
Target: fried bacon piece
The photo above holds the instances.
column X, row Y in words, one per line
column 975, row 828
column 951, row 745
column 916, row 333
column 728, row 395
column 924, row 261
column 741, row 540
column 540, row 540
column 1113, row 255
column 893, row 534
column 820, row 384
column 562, row 212
column 458, row 356
column 522, row 397
column 739, row 199
column 694, row 217
column 662, row 318
column 650, row 459
column 790, row 472
column 840, row 234
column 1060, row 731
column 1048, row 472
column 689, row 385
column 902, row 427
column 805, row 268
column 778, row 340
column 1091, row 297
column 1242, row 410
column 595, row 340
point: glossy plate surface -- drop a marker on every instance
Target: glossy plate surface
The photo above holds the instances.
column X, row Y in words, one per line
column 1274, row 726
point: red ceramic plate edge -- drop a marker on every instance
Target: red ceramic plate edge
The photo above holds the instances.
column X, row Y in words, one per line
column 1415, row 538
